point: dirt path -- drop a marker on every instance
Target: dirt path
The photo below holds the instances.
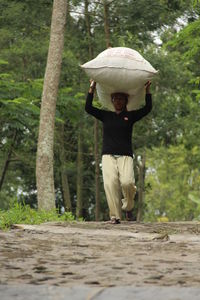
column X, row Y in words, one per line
column 100, row 254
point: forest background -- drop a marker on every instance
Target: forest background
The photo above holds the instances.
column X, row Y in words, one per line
column 166, row 143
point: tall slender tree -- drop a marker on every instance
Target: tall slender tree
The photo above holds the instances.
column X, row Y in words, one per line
column 141, row 178
column 96, row 123
column 79, row 188
column 44, row 164
column 63, row 172
column 7, row 161
column 106, row 22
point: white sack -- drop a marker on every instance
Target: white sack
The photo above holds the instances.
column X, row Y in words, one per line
column 122, row 70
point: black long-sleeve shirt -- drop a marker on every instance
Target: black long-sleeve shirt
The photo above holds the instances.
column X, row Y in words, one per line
column 117, row 128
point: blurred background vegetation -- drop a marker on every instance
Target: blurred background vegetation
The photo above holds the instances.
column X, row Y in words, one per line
column 166, row 144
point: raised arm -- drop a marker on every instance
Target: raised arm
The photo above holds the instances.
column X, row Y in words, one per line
column 89, row 108
column 140, row 113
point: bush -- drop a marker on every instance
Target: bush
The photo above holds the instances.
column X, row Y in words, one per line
column 23, row 214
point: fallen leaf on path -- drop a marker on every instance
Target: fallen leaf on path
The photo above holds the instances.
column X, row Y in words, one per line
column 163, row 237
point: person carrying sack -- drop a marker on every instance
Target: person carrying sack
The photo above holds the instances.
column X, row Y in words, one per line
column 117, row 154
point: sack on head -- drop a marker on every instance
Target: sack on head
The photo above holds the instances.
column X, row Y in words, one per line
column 120, row 69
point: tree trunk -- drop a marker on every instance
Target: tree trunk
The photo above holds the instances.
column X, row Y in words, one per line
column 141, row 194
column 106, row 23
column 5, row 167
column 79, row 205
column 97, row 170
column 64, row 177
column 44, row 163
column 89, row 35
column 96, row 123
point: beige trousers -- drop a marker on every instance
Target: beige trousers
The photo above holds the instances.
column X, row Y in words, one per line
column 119, row 183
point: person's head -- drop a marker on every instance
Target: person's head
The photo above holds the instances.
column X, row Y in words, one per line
column 119, row 101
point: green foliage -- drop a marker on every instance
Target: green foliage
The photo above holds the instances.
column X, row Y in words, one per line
column 195, row 197
column 187, row 41
column 172, row 185
column 23, row 214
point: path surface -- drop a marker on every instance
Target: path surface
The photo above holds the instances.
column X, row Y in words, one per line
column 102, row 258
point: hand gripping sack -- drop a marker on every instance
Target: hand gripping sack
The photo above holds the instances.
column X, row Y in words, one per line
column 120, row 69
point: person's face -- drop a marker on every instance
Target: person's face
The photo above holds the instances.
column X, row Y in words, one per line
column 119, row 101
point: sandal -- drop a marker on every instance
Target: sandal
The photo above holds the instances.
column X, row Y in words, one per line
column 114, row 221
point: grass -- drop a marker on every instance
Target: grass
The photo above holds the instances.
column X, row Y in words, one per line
column 24, row 214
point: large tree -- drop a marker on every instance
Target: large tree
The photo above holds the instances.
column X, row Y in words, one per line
column 44, row 165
